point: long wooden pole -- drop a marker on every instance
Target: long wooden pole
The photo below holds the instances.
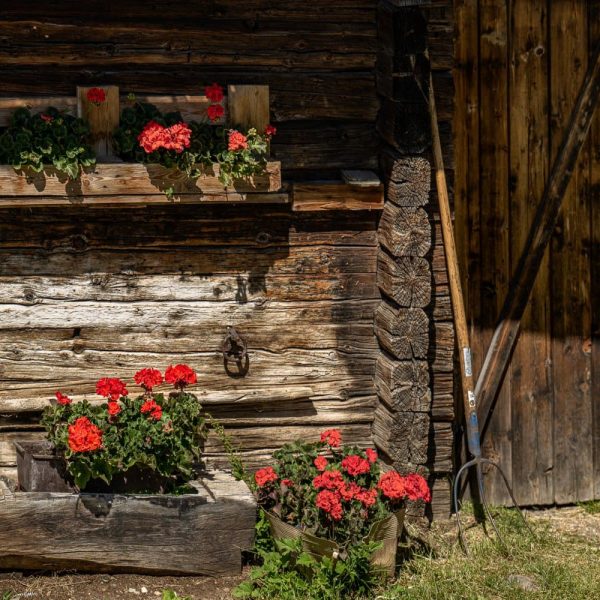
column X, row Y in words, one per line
column 507, row 330
column 458, row 307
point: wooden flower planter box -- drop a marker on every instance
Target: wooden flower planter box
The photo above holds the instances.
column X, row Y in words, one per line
column 116, row 183
column 195, row 534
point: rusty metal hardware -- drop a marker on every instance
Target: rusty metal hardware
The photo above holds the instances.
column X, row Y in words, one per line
column 234, row 346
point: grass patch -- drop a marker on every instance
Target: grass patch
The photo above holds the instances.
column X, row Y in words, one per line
column 546, row 566
column 592, row 507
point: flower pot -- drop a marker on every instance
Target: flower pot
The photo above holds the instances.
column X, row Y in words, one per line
column 40, row 470
column 386, row 530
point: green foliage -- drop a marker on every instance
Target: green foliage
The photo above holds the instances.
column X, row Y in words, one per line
column 238, row 469
column 51, row 139
column 8, row 595
column 209, row 145
column 592, row 507
column 171, row 595
column 170, row 446
column 289, row 573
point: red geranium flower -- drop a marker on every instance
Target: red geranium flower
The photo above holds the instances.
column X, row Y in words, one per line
column 330, row 503
column 321, row 462
column 215, row 112
column 356, row 465
column 154, row 410
column 111, row 387
column 270, row 130
column 392, row 485
column 264, row 476
column 62, row 399
column 237, row 141
column 114, row 408
column 46, row 118
column 180, row 376
column 333, row 437
column 330, row 480
column 155, row 136
column 96, row 95
column 349, row 491
column 287, row 482
column 214, row 92
column 417, row 488
column 371, row 455
column 84, row 436
column 367, row 497
column 148, row 378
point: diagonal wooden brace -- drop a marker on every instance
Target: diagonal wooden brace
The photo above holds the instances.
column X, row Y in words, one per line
column 507, row 330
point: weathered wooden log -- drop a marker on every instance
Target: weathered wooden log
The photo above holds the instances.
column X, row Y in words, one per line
column 408, row 178
column 403, row 332
column 404, row 128
column 411, row 440
column 441, row 346
column 406, row 279
column 403, row 385
column 200, row 534
column 334, row 195
column 404, row 231
column 441, row 497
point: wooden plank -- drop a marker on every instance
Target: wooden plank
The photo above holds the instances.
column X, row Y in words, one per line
column 573, row 452
column 249, row 106
column 361, row 178
column 134, row 179
column 198, row 534
column 530, row 376
column 495, row 246
column 333, row 195
column 594, row 165
column 102, row 117
column 118, row 201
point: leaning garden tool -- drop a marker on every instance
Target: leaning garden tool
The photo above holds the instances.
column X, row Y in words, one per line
column 460, row 322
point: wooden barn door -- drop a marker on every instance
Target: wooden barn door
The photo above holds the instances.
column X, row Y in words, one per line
column 519, row 67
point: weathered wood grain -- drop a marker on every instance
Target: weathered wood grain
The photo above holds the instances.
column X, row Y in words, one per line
column 102, row 118
column 403, row 385
column 132, row 180
column 404, row 231
column 404, row 332
column 192, row 534
column 408, row 178
column 406, row 279
column 334, row 195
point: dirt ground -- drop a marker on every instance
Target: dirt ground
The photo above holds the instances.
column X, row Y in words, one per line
column 571, row 521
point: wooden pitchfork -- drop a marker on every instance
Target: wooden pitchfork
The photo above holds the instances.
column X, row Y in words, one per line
column 458, row 309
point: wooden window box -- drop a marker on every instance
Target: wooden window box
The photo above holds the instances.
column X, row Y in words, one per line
column 116, row 183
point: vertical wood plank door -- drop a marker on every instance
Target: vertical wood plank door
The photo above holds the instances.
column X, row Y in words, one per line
column 516, row 84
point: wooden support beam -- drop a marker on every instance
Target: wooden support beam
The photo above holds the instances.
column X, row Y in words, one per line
column 249, row 106
column 507, row 330
column 102, row 117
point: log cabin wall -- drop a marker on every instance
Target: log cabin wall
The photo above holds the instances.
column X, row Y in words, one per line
column 90, row 292
column 413, row 425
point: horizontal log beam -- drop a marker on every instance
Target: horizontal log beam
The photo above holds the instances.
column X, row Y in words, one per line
column 335, row 195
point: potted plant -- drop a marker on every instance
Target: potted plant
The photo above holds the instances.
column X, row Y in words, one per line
column 149, row 443
column 333, row 496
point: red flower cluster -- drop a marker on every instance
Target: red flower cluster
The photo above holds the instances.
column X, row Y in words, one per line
column 214, row 93
column 287, row 482
column 330, row 480
column 62, row 399
column 330, row 503
column 321, row 462
column 84, row 436
column 114, row 408
column 332, row 437
column 46, row 118
column 155, row 136
column 96, row 95
column 355, row 465
column 180, row 376
column 264, row 476
column 148, row 378
column 111, row 387
column 270, row 130
column 237, row 141
column 215, row 112
column 371, row 455
column 417, row 488
column 152, row 408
